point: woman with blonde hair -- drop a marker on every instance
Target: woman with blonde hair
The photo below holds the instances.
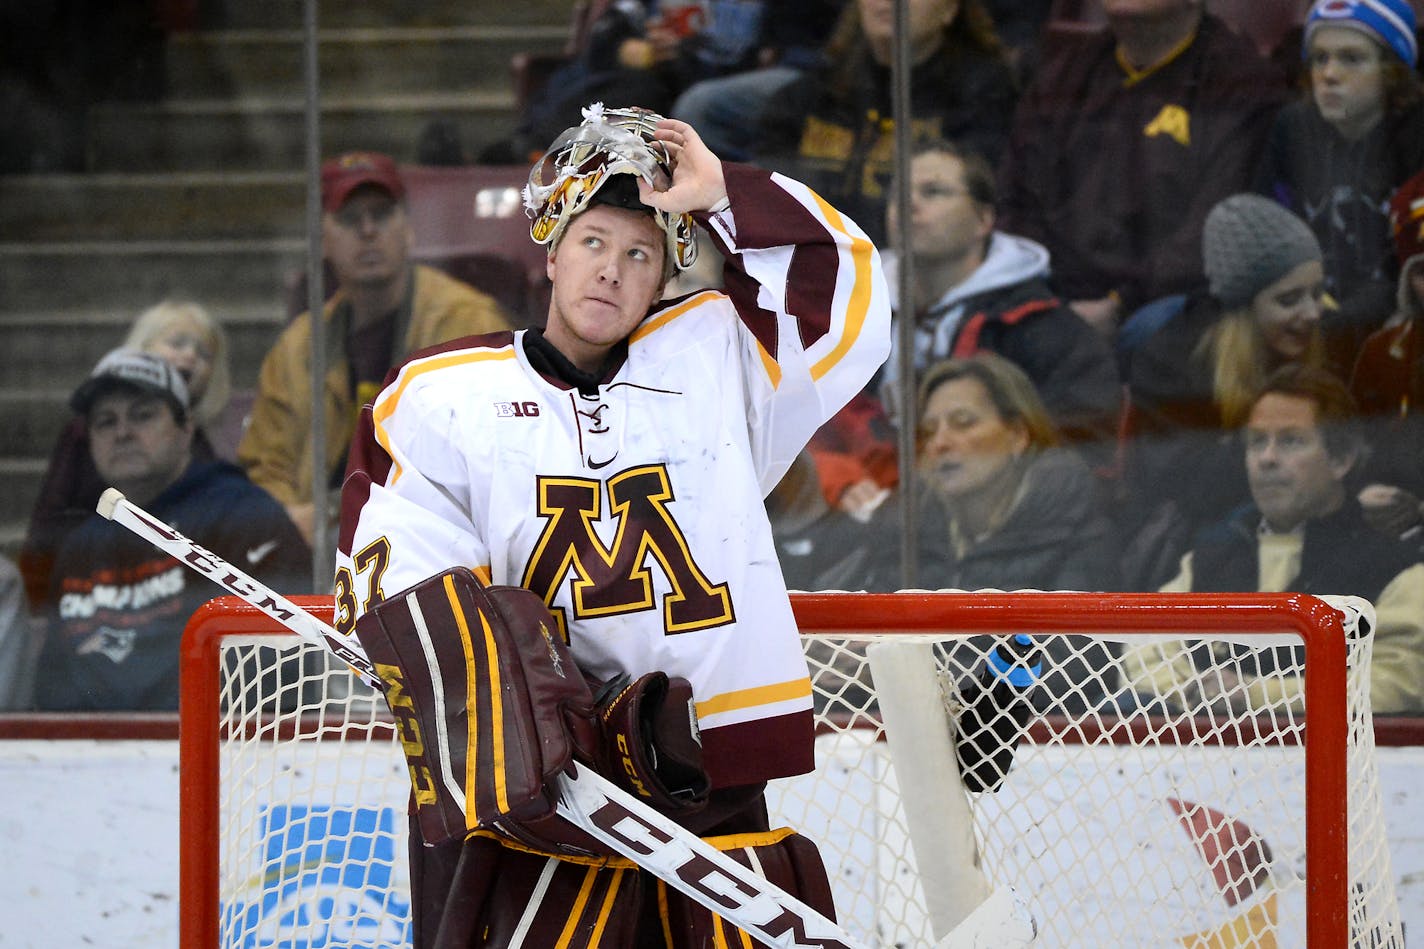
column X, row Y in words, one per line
column 1191, row 383
column 1000, row 502
column 188, row 337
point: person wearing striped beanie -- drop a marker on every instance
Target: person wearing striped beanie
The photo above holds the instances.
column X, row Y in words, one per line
column 1336, row 156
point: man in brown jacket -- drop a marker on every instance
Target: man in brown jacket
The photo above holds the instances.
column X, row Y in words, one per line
column 385, row 307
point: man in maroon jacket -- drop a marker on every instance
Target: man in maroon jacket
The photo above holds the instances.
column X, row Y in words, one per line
column 1125, row 140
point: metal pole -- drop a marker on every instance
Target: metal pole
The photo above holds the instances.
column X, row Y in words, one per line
column 322, row 562
column 905, row 284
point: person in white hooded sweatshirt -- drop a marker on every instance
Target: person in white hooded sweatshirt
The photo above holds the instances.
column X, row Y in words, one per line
column 977, row 288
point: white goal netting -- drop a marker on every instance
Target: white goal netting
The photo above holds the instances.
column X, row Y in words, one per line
column 1209, row 817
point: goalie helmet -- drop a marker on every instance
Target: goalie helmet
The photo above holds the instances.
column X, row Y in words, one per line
column 583, row 159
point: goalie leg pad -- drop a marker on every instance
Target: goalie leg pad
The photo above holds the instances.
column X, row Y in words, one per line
column 486, row 697
column 783, row 857
column 544, row 902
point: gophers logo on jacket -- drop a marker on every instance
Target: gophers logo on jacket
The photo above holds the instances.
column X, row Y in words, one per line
column 609, row 581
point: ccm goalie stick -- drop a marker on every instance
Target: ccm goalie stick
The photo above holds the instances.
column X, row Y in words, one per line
column 623, row 823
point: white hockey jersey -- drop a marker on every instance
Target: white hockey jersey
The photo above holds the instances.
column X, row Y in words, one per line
column 636, row 511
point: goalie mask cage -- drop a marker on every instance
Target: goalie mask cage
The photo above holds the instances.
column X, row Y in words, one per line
column 1228, row 823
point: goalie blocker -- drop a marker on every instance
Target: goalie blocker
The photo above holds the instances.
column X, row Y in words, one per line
column 490, row 708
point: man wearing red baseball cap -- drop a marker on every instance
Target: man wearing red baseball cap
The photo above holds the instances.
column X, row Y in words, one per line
column 384, row 307
column 343, row 175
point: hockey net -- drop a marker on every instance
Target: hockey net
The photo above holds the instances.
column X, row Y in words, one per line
column 1219, row 819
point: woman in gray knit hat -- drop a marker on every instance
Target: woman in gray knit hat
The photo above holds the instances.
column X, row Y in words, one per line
column 1191, row 382
column 1264, row 266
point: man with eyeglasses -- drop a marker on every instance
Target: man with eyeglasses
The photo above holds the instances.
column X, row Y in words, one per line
column 384, row 307
column 980, row 288
column 976, row 289
column 1303, row 532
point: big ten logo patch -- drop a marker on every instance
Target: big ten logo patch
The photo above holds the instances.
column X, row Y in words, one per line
column 516, row 409
column 327, row 881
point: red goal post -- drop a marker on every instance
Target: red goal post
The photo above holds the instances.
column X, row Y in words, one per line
column 841, row 630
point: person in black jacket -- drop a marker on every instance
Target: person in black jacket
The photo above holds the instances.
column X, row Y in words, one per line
column 1302, row 532
column 1003, row 503
column 978, row 288
column 834, row 128
column 120, row 604
column 1336, row 155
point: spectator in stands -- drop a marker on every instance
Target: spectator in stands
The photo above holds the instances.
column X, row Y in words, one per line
column 1020, row 24
column 120, row 604
column 1337, row 155
column 1125, row 140
column 1302, row 532
column 384, row 308
column 1388, row 383
column 193, row 342
column 834, row 129
column 978, row 288
column 820, row 547
column 728, row 110
column 1192, row 382
column 1001, row 502
column 643, row 51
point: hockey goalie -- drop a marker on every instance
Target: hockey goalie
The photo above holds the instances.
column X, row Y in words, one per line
column 596, row 486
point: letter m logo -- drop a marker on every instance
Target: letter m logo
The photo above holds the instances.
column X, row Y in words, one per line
column 618, row 579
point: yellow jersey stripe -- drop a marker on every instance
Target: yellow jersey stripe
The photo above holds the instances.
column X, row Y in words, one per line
column 772, row 367
column 751, row 698
column 861, row 251
column 663, row 916
column 384, row 408
column 648, row 327
column 501, row 790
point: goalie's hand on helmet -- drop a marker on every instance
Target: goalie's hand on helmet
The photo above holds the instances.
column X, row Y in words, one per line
column 697, row 180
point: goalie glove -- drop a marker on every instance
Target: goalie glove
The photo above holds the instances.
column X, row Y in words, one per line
column 649, row 740
column 997, row 712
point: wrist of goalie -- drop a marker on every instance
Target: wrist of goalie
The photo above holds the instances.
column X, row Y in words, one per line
column 649, row 744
